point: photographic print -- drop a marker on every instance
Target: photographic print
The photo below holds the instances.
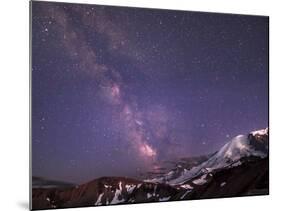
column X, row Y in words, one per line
column 135, row 105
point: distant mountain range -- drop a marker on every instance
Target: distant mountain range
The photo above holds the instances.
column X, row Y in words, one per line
column 239, row 168
column 40, row 182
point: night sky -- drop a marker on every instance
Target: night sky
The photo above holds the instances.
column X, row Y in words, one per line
column 117, row 90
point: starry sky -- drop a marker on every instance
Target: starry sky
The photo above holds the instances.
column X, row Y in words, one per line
column 118, row 90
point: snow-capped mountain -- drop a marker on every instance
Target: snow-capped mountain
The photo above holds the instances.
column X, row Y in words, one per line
column 239, row 168
column 255, row 144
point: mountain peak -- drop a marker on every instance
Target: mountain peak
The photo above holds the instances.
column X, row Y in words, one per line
column 259, row 140
column 261, row 132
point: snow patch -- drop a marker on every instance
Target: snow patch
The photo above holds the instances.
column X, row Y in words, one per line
column 154, row 191
column 238, row 163
column 170, row 173
column 118, row 195
column 107, row 186
column 98, row 202
column 260, row 132
column 188, row 191
column 120, row 186
column 200, row 181
column 130, row 188
column 187, row 186
column 164, row 198
column 223, row 184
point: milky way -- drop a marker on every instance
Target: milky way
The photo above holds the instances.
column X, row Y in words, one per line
column 118, row 91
